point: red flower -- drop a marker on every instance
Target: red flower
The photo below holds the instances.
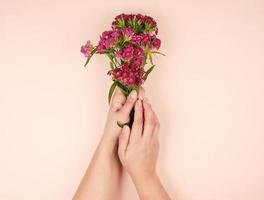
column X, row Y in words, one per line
column 129, row 74
column 128, row 52
column 150, row 20
column 155, row 42
column 107, row 39
column 129, row 31
column 136, row 39
column 129, row 46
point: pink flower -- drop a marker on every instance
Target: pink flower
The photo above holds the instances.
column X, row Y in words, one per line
column 135, row 21
column 150, row 20
column 136, row 39
column 128, row 45
column 129, row 74
column 138, row 56
column 120, row 17
column 155, row 42
column 134, row 54
column 128, row 52
column 86, row 49
column 140, row 17
column 128, row 31
column 145, row 39
column 107, row 39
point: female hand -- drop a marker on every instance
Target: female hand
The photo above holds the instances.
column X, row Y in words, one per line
column 119, row 110
column 102, row 178
column 139, row 147
column 138, row 152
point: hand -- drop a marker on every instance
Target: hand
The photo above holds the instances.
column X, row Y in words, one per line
column 119, row 110
column 102, row 178
column 139, row 147
column 138, row 152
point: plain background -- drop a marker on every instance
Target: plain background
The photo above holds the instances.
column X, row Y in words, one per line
column 208, row 92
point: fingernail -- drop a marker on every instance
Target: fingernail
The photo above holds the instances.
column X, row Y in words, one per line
column 141, row 94
column 133, row 94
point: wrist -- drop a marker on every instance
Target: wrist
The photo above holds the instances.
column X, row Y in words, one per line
column 150, row 187
column 144, row 177
column 111, row 133
column 107, row 147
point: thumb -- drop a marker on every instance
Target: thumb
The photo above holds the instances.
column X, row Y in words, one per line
column 123, row 141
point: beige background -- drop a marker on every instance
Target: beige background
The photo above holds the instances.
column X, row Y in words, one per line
column 208, row 92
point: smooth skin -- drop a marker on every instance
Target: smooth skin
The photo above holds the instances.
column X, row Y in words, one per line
column 103, row 176
column 138, row 151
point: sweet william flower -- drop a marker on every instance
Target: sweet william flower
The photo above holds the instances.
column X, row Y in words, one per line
column 136, row 39
column 128, row 52
column 132, row 53
column 128, row 74
column 140, row 23
column 145, row 39
column 129, row 31
column 150, row 24
column 87, row 49
column 156, row 42
column 107, row 39
column 140, row 17
column 138, row 56
column 128, row 45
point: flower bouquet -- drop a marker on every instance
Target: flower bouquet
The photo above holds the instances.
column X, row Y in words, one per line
column 130, row 46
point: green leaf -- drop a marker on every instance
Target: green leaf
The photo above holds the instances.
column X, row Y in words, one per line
column 111, row 65
column 148, row 72
column 157, row 52
column 135, row 87
column 123, row 88
column 111, row 90
column 150, row 58
column 88, row 59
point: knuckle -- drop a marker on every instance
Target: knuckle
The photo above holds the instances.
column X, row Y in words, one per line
column 116, row 105
column 130, row 100
column 118, row 96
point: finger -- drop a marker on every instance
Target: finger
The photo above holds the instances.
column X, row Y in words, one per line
column 141, row 93
column 149, row 120
column 130, row 102
column 118, row 99
column 157, row 128
column 137, row 127
column 123, row 141
column 155, row 137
